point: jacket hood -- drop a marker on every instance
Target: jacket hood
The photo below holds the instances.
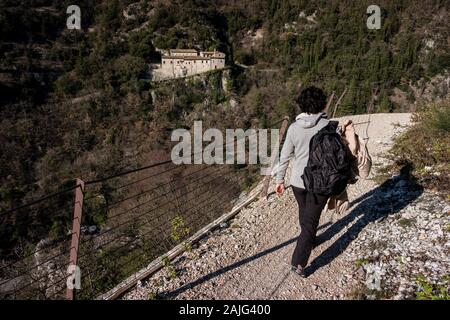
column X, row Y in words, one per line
column 306, row 120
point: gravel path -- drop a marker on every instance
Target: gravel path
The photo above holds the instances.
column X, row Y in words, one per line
column 248, row 258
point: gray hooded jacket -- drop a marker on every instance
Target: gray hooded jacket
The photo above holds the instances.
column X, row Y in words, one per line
column 296, row 146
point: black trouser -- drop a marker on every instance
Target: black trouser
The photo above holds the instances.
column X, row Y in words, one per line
column 309, row 208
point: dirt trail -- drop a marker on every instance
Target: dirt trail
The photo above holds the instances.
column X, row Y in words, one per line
column 249, row 258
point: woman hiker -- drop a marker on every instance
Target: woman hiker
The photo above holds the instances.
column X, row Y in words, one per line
column 312, row 102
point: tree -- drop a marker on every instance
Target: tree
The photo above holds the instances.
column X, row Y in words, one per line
column 140, row 45
column 129, row 68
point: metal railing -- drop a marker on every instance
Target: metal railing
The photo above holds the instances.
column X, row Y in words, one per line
column 115, row 226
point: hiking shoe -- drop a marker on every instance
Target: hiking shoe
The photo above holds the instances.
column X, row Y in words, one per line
column 299, row 271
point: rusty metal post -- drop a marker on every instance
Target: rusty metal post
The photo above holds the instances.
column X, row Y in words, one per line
column 283, row 129
column 76, row 229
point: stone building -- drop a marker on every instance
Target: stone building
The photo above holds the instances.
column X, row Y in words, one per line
column 178, row 63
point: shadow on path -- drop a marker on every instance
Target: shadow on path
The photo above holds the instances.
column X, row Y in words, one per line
column 386, row 199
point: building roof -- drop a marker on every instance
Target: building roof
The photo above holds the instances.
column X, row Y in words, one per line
column 204, row 55
column 184, row 50
column 185, row 57
column 190, row 57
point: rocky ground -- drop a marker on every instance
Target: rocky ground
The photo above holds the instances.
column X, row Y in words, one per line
column 391, row 234
column 396, row 249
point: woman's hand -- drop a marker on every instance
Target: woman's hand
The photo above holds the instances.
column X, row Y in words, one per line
column 280, row 189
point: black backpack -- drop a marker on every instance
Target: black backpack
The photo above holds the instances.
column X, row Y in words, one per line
column 328, row 170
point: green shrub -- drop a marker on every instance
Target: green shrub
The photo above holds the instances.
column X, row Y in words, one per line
column 67, row 85
column 167, row 263
column 140, row 44
column 129, row 68
column 441, row 119
column 96, row 210
column 404, row 222
column 433, row 291
column 426, row 145
column 179, row 229
column 57, row 229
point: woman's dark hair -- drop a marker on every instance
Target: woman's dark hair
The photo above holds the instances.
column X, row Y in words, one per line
column 312, row 100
